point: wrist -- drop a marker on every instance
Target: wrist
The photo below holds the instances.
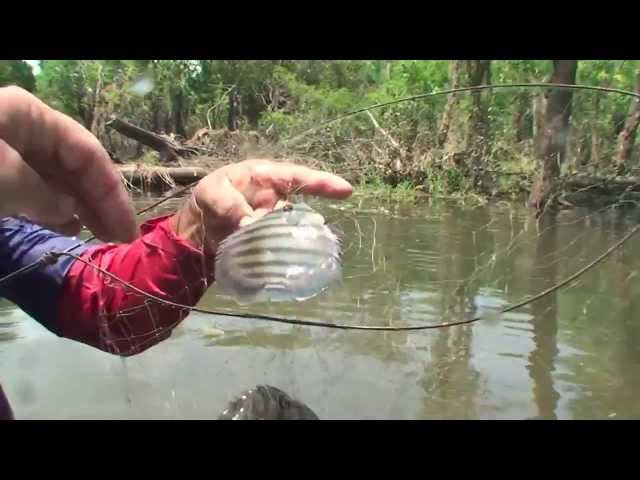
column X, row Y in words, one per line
column 189, row 224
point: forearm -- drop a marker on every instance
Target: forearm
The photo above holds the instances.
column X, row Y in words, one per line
column 188, row 224
column 72, row 299
column 104, row 313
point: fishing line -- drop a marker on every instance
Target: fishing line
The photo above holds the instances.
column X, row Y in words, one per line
column 460, row 90
column 340, row 326
column 51, row 256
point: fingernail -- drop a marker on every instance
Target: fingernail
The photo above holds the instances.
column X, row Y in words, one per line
column 244, row 221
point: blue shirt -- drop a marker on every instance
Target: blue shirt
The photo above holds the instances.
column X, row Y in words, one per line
column 37, row 291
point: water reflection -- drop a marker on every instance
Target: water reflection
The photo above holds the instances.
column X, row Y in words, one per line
column 573, row 354
column 606, row 333
column 262, row 337
column 545, row 320
column 451, row 381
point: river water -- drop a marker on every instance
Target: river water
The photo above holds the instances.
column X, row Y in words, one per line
column 574, row 354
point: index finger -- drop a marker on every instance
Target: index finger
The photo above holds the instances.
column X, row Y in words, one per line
column 286, row 178
column 68, row 156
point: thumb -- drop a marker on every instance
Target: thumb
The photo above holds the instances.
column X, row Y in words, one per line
column 24, row 192
column 223, row 204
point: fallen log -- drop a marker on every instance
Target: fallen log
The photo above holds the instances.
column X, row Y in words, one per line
column 589, row 191
column 603, row 184
column 160, row 178
column 169, row 150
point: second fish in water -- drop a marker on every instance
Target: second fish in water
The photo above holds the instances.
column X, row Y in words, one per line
column 288, row 254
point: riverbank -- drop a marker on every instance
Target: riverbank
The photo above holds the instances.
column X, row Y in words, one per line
column 146, row 178
column 575, row 190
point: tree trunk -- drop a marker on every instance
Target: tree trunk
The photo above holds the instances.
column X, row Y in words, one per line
column 386, row 69
column 627, row 137
column 477, row 134
column 155, row 114
column 178, row 118
column 156, row 104
column 538, row 109
column 618, row 118
column 584, row 150
column 595, row 147
column 464, row 126
column 455, row 68
column 167, row 125
column 521, row 120
column 234, row 111
column 84, row 102
column 96, row 102
column 253, row 109
column 551, row 141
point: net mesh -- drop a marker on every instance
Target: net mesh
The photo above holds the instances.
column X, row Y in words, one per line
column 426, row 262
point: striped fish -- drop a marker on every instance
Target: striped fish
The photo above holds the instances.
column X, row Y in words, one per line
column 288, row 254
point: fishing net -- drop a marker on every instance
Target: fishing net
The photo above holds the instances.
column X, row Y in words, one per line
column 430, row 259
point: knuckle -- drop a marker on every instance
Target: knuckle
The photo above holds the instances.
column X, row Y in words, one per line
column 16, row 91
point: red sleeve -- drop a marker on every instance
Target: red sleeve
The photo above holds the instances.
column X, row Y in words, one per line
column 105, row 314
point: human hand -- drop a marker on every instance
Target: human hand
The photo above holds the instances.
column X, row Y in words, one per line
column 239, row 193
column 52, row 169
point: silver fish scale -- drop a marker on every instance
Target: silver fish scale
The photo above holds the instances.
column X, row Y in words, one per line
column 289, row 254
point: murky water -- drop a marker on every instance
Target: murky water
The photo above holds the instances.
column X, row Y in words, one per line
column 572, row 354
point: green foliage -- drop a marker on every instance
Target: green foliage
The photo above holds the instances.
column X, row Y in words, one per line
column 404, row 191
column 284, row 98
column 64, row 84
column 446, row 181
column 17, row 72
